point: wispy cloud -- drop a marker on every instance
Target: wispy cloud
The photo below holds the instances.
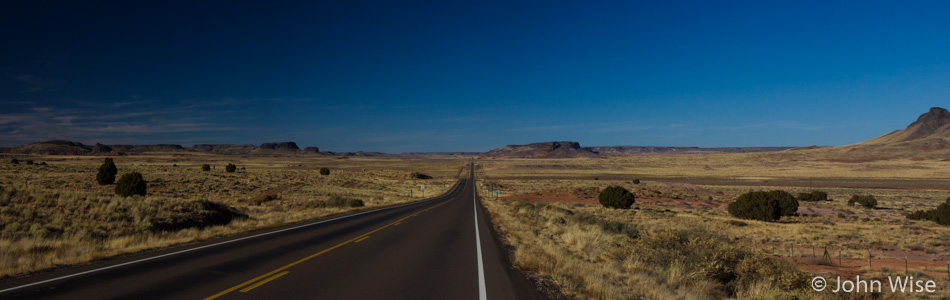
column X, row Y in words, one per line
column 410, row 136
column 540, row 128
column 8, row 102
column 129, row 103
column 677, row 126
column 777, row 124
column 467, row 119
column 35, row 83
column 622, row 128
column 88, row 124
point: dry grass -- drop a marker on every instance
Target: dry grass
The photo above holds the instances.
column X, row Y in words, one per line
column 590, row 255
column 787, row 168
column 58, row 215
column 685, row 190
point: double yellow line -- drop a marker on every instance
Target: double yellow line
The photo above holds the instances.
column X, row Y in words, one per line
column 270, row 276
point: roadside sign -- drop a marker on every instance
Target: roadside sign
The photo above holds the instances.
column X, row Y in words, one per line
column 423, row 186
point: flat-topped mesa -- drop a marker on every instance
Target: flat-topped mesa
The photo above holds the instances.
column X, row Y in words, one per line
column 312, row 150
column 280, row 146
column 568, row 145
column 226, row 149
column 562, row 149
column 144, row 148
column 101, row 149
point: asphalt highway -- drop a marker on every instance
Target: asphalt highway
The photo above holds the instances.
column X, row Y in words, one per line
column 440, row 248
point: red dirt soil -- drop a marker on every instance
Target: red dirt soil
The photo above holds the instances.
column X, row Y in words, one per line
column 589, row 196
column 854, row 267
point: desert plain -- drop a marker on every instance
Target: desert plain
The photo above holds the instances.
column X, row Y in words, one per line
column 678, row 240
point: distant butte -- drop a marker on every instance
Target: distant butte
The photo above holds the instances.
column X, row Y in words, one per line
column 926, row 138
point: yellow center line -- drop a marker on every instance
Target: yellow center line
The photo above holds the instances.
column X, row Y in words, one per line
column 397, row 223
column 360, row 237
column 245, row 290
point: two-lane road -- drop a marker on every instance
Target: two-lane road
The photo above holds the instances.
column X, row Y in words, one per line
column 442, row 248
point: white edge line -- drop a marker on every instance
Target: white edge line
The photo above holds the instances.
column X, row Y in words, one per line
column 220, row 243
column 482, row 295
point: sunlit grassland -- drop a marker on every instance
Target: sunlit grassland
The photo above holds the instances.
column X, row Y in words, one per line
column 740, row 167
column 57, row 214
column 664, row 203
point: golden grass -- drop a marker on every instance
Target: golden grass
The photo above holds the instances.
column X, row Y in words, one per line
column 58, row 215
column 591, row 256
column 719, row 179
column 740, row 168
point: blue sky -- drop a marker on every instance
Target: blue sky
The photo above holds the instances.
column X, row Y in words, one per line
column 453, row 76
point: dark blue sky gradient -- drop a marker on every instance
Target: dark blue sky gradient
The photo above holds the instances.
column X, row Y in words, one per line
column 446, row 76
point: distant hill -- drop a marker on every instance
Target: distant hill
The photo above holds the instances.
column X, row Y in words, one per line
column 357, row 154
column 439, row 154
column 63, row 147
column 542, row 150
column 60, row 147
column 634, row 150
column 225, row 149
column 926, row 138
column 931, row 131
column 574, row 150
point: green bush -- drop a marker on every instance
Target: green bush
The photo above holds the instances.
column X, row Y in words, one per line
column 764, row 206
column 107, row 172
column 636, row 181
column 230, row 168
column 813, row 196
column 941, row 214
column 15, row 161
column 324, row 171
column 131, row 184
column 616, row 197
column 787, row 203
column 417, row 175
column 206, row 167
column 29, row 162
column 863, row 200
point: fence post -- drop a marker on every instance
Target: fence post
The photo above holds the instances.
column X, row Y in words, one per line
column 869, row 258
column 827, row 257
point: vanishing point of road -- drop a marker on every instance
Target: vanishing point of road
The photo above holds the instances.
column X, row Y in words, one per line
column 441, row 248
